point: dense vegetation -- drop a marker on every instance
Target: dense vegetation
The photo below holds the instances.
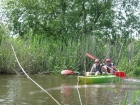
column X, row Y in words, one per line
column 53, row 36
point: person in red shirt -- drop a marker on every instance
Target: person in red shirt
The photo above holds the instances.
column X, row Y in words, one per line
column 109, row 66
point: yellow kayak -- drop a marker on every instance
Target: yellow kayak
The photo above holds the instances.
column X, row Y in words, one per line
column 92, row 79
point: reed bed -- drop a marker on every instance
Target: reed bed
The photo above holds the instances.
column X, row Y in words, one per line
column 46, row 55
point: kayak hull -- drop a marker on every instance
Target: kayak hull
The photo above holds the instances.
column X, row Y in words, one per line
column 67, row 72
column 92, row 79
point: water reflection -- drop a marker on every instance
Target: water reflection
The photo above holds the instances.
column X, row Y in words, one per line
column 66, row 91
column 10, row 90
column 19, row 90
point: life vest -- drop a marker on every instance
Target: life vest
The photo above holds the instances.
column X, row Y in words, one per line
column 110, row 68
column 97, row 68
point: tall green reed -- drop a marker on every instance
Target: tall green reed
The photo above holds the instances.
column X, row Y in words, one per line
column 39, row 54
column 131, row 99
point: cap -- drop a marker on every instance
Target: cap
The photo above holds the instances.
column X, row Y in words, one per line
column 107, row 60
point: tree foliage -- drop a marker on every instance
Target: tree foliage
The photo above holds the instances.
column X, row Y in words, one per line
column 74, row 18
column 58, row 18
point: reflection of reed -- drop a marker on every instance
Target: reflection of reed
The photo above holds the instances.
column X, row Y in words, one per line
column 13, row 92
column 101, row 94
column 92, row 95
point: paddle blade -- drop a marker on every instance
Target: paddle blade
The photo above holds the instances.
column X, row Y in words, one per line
column 90, row 56
column 120, row 74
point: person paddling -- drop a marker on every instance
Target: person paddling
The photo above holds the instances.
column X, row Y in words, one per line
column 98, row 68
column 110, row 66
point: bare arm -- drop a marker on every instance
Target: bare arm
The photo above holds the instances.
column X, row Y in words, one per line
column 91, row 68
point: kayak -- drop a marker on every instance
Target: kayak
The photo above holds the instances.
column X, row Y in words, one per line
column 67, row 72
column 92, row 79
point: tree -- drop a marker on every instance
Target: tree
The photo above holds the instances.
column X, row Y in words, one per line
column 66, row 19
column 56, row 17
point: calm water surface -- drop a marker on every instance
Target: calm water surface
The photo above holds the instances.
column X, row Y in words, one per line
column 19, row 90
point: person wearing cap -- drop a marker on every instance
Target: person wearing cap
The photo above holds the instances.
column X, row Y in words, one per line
column 110, row 66
column 98, row 68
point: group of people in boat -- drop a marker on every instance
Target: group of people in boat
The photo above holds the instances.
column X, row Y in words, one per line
column 99, row 68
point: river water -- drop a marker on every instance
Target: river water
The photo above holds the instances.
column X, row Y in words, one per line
column 64, row 90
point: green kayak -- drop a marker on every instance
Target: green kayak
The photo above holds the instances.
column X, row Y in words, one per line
column 92, row 79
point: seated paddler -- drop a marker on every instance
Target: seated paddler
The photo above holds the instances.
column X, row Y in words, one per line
column 110, row 67
column 98, row 68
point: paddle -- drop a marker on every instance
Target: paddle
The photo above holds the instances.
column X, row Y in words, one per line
column 118, row 73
